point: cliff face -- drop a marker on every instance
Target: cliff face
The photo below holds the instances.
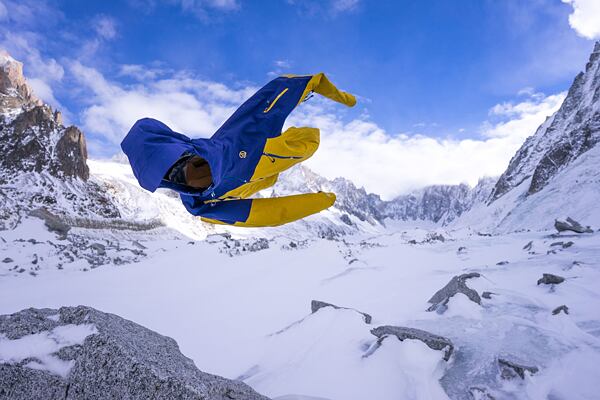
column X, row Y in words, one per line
column 32, row 137
column 562, row 138
column 43, row 163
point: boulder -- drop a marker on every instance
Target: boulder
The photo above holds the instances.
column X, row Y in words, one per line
column 550, row 279
column 82, row 353
column 315, row 305
column 562, row 308
column 433, row 341
column 510, row 370
column 571, row 225
column 456, row 285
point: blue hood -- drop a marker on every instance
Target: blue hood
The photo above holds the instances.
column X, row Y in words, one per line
column 152, row 148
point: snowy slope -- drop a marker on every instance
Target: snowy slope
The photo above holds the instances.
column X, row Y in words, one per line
column 574, row 192
column 562, row 138
column 249, row 317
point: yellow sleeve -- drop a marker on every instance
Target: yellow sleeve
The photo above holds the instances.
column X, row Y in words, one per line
column 321, row 85
column 277, row 211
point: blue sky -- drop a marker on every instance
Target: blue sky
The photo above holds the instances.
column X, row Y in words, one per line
column 433, row 69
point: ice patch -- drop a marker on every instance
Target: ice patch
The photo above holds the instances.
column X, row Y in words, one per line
column 43, row 345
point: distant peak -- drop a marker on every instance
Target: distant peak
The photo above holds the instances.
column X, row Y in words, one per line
column 12, row 81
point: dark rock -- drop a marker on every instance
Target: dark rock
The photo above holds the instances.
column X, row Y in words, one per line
column 510, row 370
column 571, row 225
column 118, row 359
column 99, row 248
column 528, row 246
column 562, row 308
column 487, row 295
column 346, row 219
column 7, row 260
column 456, row 285
column 550, row 279
column 316, row 305
column 502, row 262
column 433, row 341
column 432, row 237
column 564, row 245
column 461, row 250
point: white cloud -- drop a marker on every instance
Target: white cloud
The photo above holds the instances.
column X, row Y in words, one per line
column 585, row 18
column 106, row 27
column 359, row 149
column 394, row 164
column 191, row 106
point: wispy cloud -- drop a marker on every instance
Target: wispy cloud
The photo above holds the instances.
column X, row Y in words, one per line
column 327, row 8
column 106, row 27
column 358, row 149
column 189, row 105
column 393, row 164
column 585, row 18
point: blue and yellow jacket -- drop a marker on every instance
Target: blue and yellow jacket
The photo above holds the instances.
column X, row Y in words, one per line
column 245, row 155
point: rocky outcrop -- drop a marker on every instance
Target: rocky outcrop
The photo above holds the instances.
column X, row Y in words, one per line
column 560, row 309
column 571, row 225
column 511, row 370
column 43, row 163
column 550, row 279
column 82, row 353
column 316, row 305
column 562, row 138
column 433, row 341
column 456, row 285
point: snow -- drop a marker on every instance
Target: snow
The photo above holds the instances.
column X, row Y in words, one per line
column 248, row 316
column 573, row 192
column 42, row 346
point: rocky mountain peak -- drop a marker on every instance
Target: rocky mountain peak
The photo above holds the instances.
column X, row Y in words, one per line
column 563, row 137
column 32, row 137
column 13, row 87
column 43, row 163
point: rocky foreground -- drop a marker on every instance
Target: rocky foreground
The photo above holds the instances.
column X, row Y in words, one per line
column 83, row 353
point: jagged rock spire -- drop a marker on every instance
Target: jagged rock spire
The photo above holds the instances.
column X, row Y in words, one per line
column 571, row 131
column 32, row 137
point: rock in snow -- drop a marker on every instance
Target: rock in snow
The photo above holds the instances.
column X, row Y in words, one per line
column 431, row 340
column 315, row 305
column 550, row 279
column 82, row 353
column 510, row 370
column 456, row 285
column 571, row 225
column 562, row 308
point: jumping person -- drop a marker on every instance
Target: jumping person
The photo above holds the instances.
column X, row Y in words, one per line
column 215, row 177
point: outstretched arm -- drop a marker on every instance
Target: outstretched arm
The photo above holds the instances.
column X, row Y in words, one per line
column 268, row 211
column 321, row 85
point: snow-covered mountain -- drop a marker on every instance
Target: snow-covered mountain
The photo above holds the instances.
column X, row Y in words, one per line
column 555, row 173
column 562, row 138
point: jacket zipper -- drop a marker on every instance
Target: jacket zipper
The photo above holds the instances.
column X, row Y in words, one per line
column 272, row 157
column 275, row 101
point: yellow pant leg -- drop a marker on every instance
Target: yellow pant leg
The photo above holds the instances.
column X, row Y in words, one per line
column 281, row 210
column 284, row 151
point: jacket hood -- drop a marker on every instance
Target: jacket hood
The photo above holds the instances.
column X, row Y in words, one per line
column 152, row 148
